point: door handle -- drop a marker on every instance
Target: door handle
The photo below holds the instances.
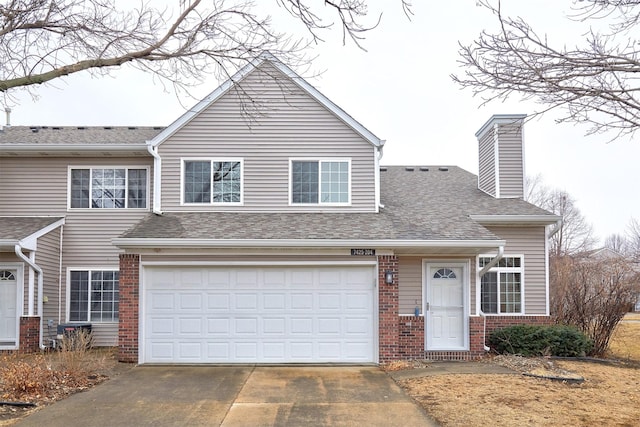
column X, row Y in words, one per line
column 427, row 308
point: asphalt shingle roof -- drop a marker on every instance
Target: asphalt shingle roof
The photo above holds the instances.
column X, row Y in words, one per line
column 76, row 135
column 17, row 228
column 418, row 205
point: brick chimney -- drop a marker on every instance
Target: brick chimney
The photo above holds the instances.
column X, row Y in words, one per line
column 501, row 156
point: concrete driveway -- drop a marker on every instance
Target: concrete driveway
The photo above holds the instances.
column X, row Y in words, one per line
column 238, row 396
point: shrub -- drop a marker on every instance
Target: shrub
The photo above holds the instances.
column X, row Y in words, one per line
column 536, row 340
column 26, row 377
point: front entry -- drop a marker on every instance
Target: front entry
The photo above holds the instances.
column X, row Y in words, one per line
column 446, row 327
column 8, row 309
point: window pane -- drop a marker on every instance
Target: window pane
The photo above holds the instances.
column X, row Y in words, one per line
column 304, row 182
column 335, row 180
column 489, row 293
column 510, row 292
column 108, row 188
column 80, row 188
column 104, row 296
column 137, row 188
column 197, row 182
column 226, row 182
column 79, row 296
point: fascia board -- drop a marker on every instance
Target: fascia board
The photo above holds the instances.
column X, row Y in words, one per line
column 516, row 219
column 295, row 243
column 72, row 147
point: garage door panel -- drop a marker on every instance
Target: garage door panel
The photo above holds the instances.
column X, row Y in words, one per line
column 258, row 314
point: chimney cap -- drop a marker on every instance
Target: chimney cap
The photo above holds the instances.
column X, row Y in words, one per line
column 499, row 119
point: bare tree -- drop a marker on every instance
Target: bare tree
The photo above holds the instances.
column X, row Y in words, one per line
column 617, row 243
column 42, row 40
column 575, row 234
column 594, row 83
column 633, row 240
column 592, row 295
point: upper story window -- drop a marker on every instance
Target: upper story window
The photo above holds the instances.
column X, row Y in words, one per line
column 320, row 181
column 217, row 181
column 501, row 287
column 108, row 188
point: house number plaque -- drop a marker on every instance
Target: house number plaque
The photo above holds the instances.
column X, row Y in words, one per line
column 363, row 252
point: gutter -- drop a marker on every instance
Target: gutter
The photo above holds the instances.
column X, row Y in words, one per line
column 301, row 243
column 157, row 165
column 34, row 266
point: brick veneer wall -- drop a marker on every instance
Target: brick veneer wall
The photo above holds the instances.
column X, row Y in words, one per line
column 388, row 318
column 29, row 334
column 129, row 308
column 411, row 339
column 411, row 331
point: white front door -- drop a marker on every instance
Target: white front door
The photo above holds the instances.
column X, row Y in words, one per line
column 8, row 309
column 445, row 309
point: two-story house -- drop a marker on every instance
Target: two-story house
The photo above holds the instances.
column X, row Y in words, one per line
column 259, row 227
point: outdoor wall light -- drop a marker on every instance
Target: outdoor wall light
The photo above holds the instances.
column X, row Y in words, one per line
column 388, row 277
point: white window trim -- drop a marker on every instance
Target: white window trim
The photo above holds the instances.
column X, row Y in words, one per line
column 495, row 269
column 68, row 294
column 91, row 167
column 212, row 159
column 320, row 160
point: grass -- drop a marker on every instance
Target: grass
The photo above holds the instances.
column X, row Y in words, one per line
column 609, row 395
column 625, row 343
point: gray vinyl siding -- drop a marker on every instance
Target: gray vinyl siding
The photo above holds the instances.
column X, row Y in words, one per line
column 530, row 242
column 409, row 284
column 266, row 140
column 511, row 161
column 48, row 259
column 38, row 187
column 487, row 166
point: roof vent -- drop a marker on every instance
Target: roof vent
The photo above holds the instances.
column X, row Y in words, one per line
column 81, row 127
column 409, row 169
column 424, row 169
column 383, row 169
column 132, row 128
column 56, row 128
column 443, row 169
column 157, row 128
column 107, row 127
column 34, row 130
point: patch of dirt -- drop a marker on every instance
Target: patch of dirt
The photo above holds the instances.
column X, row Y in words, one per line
column 64, row 378
column 609, row 395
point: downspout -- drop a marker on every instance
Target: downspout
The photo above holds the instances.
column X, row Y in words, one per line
column 157, row 164
column 60, row 277
column 377, row 159
column 486, row 268
column 556, row 229
column 34, row 266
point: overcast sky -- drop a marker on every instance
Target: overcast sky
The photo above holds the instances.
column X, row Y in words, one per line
column 401, row 90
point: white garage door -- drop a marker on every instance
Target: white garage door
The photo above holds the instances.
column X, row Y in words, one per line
column 258, row 314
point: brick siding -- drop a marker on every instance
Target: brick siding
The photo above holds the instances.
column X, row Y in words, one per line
column 388, row 309
column 129, row 308
column 29, row 334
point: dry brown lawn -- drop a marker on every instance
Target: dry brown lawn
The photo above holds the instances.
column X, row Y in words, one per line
column 609, row 395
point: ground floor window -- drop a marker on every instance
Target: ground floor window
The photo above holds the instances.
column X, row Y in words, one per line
column 93, row 296
column 501, row 286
